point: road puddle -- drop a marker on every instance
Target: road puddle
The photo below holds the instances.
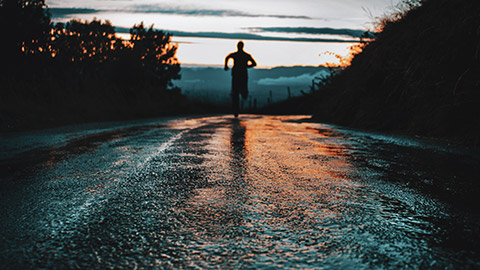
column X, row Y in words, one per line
column 254, row 192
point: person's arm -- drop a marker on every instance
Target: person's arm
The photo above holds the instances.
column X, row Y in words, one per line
column 252, row 62
column 226, row 61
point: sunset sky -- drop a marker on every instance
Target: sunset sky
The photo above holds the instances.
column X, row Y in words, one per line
column 276, row 32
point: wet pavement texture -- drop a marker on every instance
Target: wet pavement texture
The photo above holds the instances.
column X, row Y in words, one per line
column 258, row 192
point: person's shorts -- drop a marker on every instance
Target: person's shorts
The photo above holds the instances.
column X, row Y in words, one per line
column 240, row 85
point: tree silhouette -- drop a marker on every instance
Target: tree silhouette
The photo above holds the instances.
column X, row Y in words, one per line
column 155, row 53
column 26, row 25
column 81, row 70
column 93, row 42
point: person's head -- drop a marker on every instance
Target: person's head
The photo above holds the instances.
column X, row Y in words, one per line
column 240, row 45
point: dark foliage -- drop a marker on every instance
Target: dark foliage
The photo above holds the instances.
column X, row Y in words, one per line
column 25, row 26
column 421, row 75
column 81, row 71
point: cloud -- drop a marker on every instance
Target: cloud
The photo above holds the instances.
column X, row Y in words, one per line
column 205, row 12
column 300, row 80
column 65, row 12
column 248, row 36
column 243, row 36
column 311, row 30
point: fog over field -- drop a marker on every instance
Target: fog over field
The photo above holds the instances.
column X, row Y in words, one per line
column 213, row 84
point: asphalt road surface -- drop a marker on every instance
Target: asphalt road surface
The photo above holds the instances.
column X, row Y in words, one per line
column 215, row 192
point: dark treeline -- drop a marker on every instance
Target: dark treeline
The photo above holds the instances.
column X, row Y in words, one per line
column 421, row 75
column 81, row 71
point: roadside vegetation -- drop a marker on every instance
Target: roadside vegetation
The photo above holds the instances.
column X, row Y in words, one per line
column 420, row 75
column 81, row 71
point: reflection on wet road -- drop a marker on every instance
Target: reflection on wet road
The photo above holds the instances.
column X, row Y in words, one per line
column 258, row 192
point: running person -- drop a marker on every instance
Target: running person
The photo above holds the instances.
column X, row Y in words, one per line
column 241, row 61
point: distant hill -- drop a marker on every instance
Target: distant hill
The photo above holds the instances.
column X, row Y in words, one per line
column 421, row 75
column 211, row 84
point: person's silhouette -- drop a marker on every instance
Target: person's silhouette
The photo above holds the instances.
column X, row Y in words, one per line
column 241, row 61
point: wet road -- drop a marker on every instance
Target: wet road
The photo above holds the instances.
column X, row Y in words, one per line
column 215, row 192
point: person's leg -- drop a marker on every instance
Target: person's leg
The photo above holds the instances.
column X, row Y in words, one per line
column 235, row 96
column 235, row 103
column 243, row 86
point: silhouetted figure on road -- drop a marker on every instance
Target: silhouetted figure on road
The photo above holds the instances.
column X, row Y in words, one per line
column 241, row 61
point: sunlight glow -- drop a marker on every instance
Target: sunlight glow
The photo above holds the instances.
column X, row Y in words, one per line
column 212, row 52
column 222, row 18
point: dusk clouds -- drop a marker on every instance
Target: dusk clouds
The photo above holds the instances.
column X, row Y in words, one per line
column 247, row 33
column 208, row 30
column 62, row 12
column 246, row 36
column 65, row 12
column 311, row 30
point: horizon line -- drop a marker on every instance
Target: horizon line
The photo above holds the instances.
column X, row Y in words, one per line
column 220, row 66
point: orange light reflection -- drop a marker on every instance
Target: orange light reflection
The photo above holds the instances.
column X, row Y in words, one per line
column 268, row 177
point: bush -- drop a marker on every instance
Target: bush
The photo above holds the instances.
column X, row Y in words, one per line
column 81, row 71
column 420, row 75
